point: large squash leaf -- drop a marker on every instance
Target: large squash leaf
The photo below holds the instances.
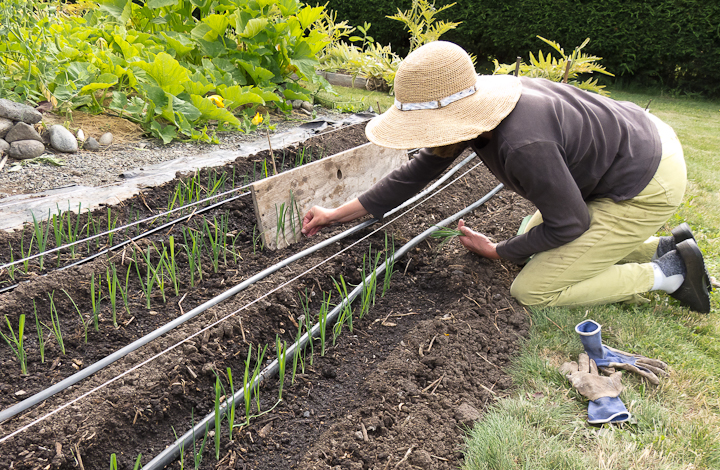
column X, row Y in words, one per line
column 210, row 111
column 118, row 9
column 167, row 72
column 236, row 96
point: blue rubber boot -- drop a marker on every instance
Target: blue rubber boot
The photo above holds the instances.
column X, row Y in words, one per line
column 607, row 410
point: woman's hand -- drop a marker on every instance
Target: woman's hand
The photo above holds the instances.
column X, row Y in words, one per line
column 315, row 219
column 319, row 217
column 477, row 242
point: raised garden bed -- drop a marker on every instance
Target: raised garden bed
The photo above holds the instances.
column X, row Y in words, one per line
column 395, row 393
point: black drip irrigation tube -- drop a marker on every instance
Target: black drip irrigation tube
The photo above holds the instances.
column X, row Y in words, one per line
column 171, row 453
column 39, row 397
column 138, row 237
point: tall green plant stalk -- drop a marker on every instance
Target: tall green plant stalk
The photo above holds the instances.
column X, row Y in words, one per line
column 247, row 381
column 41, row 337
column 55, row 320
column 322, row 320
column 26, row 261
column 256, row 374
column 58, row 222
column 41, row 237
column 82, row 320
column 389, row 263
column 218, row 416
column 16, row 342
column 95, row 297
column 124, row 290
column 297, row 357
column 171, row 265
column 190, row 247
column 231, row 411
column 214, row 244
column 281, row 348
column 112, row 285
column 73, row 230
column 346, row 315
column 110, row 226
column 280, row 228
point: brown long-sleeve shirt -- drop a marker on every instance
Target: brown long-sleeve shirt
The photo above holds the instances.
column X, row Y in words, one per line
column 559, row 148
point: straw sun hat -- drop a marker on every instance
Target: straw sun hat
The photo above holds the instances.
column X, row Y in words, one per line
column 440, row 100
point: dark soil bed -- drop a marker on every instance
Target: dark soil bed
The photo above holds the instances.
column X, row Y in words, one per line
column 398, row 391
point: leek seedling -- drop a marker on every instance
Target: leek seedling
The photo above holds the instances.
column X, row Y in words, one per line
column 124, row 290
column 95, row 300
column 112, row 283
column 322, row 320
column 11, row 266
column 190, row 254
column 110, row 226
column 298, row 352
column 389, row 264
column 171, row 265
column 55, row 319
column 214, row 245
column 182, row 450
column 257, row 240
column 256, row 373
column 346, row 315
column 197, row 454
column 446, row 234
column 113, row 462
column 26, row 261
column 281, row 348
column 16, row 342
column 58, row 221
column 246, row 386
column 231, row 411
column 41, row 337
column 41, row 237
column 82, row 320
column 280, row 228
column 218, row 417
column 72, row 233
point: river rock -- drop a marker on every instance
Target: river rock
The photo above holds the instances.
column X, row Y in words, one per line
column 91, row 144
column 307, row 106
column 106, row 139
column 5, row 126
column 80, row 135
column 25, row 149
column 62, row 139
column 22, row 131
column 4, row 146
column 19, row 112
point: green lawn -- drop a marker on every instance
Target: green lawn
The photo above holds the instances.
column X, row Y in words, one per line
column 542, row 423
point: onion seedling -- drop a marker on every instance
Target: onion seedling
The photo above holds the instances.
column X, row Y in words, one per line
column 112, row 285
column 41, row 338
column 124, row 290
column 110, row 226
column 82, row 320
column 16, row 342
column 322, row 320
column 214, row 245
column 280, row 228
column 297, row 357
column 305, row 304
column 11, row 266
column 190, row 254
column 281, row 348
column 246, row 386
column 218, row 416
column 389, row 263
column 41, row 237
column 346, row 315
column 95, row 300
column 231, row 411
column 72, row 232
column 58, row 222
column 257, row 240
column 26, row 261
column 55, row 320
column 256, row 374
column 171, row 265
column 446, row 234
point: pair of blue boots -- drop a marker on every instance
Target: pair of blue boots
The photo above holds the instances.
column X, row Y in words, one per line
column 605, row 405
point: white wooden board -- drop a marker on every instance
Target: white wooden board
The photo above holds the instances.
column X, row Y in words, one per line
column 329, row 182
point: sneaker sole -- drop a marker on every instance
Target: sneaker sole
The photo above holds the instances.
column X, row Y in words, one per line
column 683, row 232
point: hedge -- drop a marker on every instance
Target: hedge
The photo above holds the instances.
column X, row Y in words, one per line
column 671, row 43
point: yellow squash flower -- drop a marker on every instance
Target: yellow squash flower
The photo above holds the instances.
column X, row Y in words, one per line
column 217, row 100
column 257, row 119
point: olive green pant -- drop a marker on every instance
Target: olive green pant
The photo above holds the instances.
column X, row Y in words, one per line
column 610, row 262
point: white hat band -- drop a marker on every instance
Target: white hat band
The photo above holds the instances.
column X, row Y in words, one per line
column 436, row 104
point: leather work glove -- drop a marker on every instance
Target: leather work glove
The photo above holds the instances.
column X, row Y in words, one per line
column 608, row 359
column 605, row 405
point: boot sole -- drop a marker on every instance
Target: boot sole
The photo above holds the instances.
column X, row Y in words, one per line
column 694, row 290
column 683, row 232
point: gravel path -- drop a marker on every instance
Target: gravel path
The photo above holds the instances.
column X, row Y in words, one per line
column 105, row 166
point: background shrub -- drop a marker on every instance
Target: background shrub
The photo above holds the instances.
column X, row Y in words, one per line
column 674, row 44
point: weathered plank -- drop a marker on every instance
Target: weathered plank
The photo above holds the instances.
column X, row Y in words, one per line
column 328, row 183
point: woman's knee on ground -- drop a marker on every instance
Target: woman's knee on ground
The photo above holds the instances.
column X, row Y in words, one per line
column 526, row 293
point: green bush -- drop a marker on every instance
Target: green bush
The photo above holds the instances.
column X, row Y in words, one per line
column 675, row 45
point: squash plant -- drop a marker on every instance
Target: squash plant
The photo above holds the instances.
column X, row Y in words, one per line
column 158, row 62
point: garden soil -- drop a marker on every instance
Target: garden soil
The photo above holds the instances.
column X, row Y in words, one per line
column 398, row 391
